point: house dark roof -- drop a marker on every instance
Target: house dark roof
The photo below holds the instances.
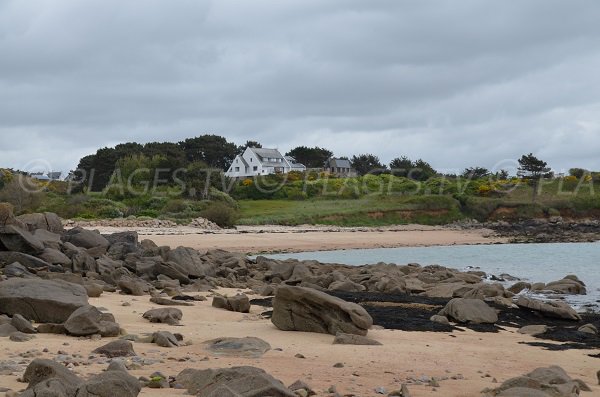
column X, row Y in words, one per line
column 339, row 163
column 267, row 153
column 294, row 163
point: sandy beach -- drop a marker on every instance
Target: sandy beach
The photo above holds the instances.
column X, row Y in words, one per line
column 268, row 239
column 473, row 359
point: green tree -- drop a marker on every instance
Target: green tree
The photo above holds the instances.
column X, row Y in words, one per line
column 311, row 157
column 533, row 169
column 475, row 173
column 213, row 150
column 367, row 164
column 401, row 166
column 422, row 171
column 578, row 172
column 248, row 144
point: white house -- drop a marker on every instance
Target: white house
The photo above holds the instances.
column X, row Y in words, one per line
column 259, row 161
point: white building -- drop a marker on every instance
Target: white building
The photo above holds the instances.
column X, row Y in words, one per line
column 259, row 161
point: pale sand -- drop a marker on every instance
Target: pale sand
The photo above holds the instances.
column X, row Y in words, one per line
column 403, row 354
column 278, row 239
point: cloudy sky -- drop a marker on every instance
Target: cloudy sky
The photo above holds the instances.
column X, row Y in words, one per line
column 458, row 83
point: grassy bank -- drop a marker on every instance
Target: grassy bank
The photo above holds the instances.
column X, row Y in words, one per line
column 366, row 211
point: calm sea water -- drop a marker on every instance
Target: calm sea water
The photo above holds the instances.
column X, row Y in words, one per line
column 530, row 262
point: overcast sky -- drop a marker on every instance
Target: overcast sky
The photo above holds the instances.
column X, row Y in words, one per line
column 457, row 82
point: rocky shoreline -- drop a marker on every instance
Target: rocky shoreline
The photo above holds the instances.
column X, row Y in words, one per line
column 552, row 230
column 49, row 275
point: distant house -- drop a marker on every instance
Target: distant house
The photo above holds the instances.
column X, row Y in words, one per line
column 51, row 176
column 339, row 167
column 259, row 161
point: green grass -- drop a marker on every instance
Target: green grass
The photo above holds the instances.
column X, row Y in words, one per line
column 366, row 211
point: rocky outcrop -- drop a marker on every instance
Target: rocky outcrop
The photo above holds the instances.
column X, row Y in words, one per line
column 88, row 320
column 473, row 311
column 570, row 285
column 237, row 303
column 117, row 348
column 13, row 238
column 46, row 221
column 549, row 309
column 84, row 238
column 305, row 309
column 110, row 384
column 50, row 378
column 43, row 301
column 235, row 381
column 550, row 381
column 238, row 347
column 168, row 315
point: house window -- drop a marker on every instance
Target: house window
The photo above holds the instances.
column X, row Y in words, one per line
column 236, row 161
column 237, row 169
column 250, row 159
column 255, row 168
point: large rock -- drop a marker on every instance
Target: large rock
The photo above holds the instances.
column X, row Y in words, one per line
column 88, row 320
column 16, row 239
column 47, row 221
column 549, row 309
column 85, row 238
column 116, row 348
column 567, row 286
column 305, row 309
column 55, row 257
column 17, row 270
column 473, row 311
column 165, row 339
column 550, row 381
column 43, row 301
column 29, row 261
column 244, row 347
column 168, row 315
column 110, row 384
column 49, row 378
column 133, row 286
column 232, row 382
column 191, row 262
column 237, row 303
column 22, row 324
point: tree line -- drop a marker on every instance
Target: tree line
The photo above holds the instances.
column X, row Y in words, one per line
column 213, row 151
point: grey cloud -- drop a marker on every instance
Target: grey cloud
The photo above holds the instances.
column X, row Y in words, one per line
column 456, row 83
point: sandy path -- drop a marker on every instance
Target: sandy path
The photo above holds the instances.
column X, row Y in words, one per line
column 258, row 242
column 403, row 354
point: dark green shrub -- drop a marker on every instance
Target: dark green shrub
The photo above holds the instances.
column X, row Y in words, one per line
column 174, row 206
column 220, row 214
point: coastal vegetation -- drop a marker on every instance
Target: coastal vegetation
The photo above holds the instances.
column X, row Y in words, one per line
column 183, row 181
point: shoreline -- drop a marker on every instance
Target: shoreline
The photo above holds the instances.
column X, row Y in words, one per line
column 254, row 240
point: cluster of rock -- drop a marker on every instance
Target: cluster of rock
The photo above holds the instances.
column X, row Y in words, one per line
column 122, row 223
column 548, row 230
column 49, row 378
column 132, row 222
column 542, row 382
column 203, row 223
column 36, row 246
